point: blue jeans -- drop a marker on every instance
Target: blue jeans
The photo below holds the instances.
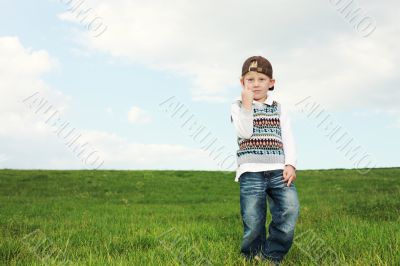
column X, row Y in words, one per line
column 255, row 188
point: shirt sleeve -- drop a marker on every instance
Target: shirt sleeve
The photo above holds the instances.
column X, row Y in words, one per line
column 242, row 120
column 288, row 138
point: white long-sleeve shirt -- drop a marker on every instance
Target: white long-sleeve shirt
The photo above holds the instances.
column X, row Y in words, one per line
column 242, row 120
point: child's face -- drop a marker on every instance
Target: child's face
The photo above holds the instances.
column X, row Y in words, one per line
column 259, row 83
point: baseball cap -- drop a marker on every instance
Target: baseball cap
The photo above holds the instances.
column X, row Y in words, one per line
column 258, row 64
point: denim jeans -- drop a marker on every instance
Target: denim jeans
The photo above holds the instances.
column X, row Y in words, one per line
column 255, row 189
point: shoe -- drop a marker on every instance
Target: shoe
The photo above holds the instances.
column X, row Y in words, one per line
column 258, row 258
column 274, row 262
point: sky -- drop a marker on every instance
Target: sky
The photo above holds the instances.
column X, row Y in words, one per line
column 95, row 84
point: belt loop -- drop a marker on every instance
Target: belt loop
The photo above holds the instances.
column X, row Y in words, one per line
column 265, row 174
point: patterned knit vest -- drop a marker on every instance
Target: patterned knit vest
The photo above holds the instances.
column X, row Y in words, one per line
column 265, row 145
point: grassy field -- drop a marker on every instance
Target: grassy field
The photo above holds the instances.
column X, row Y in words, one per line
column 189, row 218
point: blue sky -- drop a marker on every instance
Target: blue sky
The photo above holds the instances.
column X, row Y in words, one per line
column 110, row 87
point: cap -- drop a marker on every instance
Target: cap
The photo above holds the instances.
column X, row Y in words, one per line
column 258, row 64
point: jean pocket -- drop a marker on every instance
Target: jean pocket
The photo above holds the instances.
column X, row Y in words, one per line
column 251, row 183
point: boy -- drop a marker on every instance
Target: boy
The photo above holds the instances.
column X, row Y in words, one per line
column 266, row 165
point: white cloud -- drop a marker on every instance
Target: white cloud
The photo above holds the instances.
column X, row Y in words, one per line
column 138, row 115
column 26, row 141
column 20, row 61
column 121, row 153
column 20, row 77
column 109, row 111
column 354, row 75
column 313, row 49
column 3, row 157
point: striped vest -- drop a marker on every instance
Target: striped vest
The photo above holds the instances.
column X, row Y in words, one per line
column 265, row 145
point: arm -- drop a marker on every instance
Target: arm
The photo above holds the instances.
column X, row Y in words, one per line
column 288, row 139
column 242, row 120
column 289, row 173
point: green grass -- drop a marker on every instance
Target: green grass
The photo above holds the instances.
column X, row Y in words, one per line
column 189, row 218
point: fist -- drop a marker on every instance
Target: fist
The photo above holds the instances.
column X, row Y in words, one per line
column 247, row 96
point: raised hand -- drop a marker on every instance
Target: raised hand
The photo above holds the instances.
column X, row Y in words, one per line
column 247, row 97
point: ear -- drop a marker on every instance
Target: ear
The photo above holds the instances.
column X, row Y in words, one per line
column 272, row 82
